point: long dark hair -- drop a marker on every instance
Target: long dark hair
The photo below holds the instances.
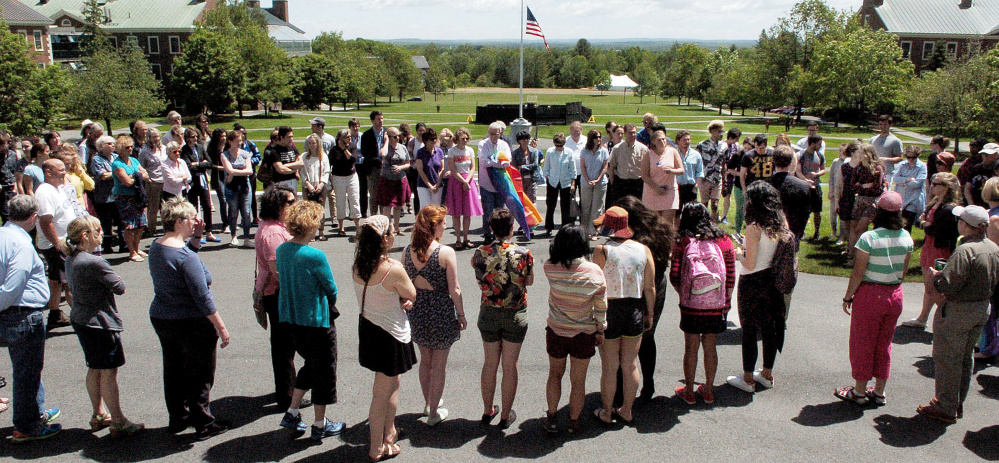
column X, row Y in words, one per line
column 273, row 200
column 593, row 140
column 369, row 252
column 695, row 222
column 569, row 244
column 649, row 228
column 887, row 219
column 216, row 145
column 764, row 209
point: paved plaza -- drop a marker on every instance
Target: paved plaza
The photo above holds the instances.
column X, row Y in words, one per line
column 798, row 420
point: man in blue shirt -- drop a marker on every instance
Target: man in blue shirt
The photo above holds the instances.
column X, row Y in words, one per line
column 24, row 292
column 693, row 169
column 909, row 181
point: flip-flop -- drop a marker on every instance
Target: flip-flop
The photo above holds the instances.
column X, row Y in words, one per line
column 599, row 412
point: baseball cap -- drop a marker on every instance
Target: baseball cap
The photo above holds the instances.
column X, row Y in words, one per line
column 318, row 121
column 990, row 148
column 976, row 216
column 890, row 201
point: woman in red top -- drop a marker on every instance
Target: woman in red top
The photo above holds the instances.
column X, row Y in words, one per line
column 701, row 324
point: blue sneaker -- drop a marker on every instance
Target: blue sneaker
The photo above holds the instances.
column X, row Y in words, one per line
column 330, row 428
column 51, row 414
column 44, row 431
column 294, row 423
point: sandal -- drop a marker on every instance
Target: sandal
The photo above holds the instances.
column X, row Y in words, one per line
column 932, row 411
column 599, row 413
column 573, row 428
column 848, row 394
column 98, row 422
column 126, row 429
column 341, row 233
column 486, row 419
column 321, row 238
column 387, row 454
column 551, row 424
column 617, row 416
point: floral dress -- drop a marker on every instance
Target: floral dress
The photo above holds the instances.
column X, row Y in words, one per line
column 433, row 319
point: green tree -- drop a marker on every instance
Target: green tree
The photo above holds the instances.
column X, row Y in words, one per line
column 576, row 72
column 947, row 100
column 49, row 93
column 647, row 78
column 317, row 81
column 330, row 44
column 94, row 37
column 208, row 76
column 435, row 81
column 987, row 105
column 357, row 86
column 115, row 85
column 683, row 64
column 583, row 48
column 16, row 81
column 603, row 81
column 939, row 57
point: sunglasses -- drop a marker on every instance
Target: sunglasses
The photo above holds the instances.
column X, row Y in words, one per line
column 938, row 184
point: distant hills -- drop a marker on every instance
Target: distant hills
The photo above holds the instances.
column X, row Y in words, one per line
column 649, row 44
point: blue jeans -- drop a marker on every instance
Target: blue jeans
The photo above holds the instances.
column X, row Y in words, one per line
column 238, row 202
column 490, row 201
column 24, row 333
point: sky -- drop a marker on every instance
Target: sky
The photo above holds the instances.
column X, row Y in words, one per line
column 563, row 20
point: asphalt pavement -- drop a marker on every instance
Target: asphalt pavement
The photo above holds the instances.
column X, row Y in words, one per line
column 798, row 420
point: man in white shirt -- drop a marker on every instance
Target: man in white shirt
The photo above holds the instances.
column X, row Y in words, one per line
column 57, row 207
column 575, row 142
column 802, row 145
column 489, row 149
column 328, row 141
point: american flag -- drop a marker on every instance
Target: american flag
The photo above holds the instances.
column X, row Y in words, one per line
column 533, row 28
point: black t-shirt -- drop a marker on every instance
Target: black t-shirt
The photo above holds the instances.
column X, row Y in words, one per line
column 340, row 164
column 795, row 196
column 284, row 154
column 979, row 175
column 758, row 166
column 734, row 161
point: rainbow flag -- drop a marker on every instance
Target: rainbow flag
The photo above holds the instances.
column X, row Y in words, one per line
column 509, row 184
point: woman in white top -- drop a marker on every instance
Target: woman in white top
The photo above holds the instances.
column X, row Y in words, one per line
column 761, row 305
column 176, row 175
column 151, row 157
column 385, row 293
column 315, row 174
column 631, row 292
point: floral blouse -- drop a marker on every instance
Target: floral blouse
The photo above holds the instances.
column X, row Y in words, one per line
column 502, row 270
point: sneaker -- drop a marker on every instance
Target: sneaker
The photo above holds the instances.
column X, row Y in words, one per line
column 686, row 395
column 915, row 323
column 236, row 242
column 293, row 423
column 707, row 393
column 739, row 383
column 848, row 394
column 724, row 220
column 878, row 399
column 330, row 428
column 43, row 432
column 766, row 383
column 51, row 414
column 441, row 416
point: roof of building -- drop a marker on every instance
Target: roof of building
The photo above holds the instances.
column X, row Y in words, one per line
column 421, row 62
column 940, row 17
column 16, row 13
column 276, row 21
column 126, row 15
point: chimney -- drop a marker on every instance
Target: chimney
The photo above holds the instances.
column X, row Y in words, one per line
column 873, row 3
column 279, row 8
column 965, row 4
column 253, row 3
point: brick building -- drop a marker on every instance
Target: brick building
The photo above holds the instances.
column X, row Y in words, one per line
column 32, row 26
column 959, row 26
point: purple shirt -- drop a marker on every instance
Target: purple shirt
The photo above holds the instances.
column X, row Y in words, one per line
column 431, row 163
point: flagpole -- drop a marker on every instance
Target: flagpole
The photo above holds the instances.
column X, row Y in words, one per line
column 520, row 107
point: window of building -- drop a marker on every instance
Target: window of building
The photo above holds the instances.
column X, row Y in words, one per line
column 927, row 50
column 66, row 23
column 174, row 45
column 132, row 40
column 867, row 20
column 906, row 49
column 154, row 45
column 24, row 34
column 157, row 72
column 38, row 40
column 114, row 42
column 952, row 50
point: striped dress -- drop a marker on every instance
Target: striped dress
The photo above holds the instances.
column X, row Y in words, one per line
column 577, row 300
column 888, row 249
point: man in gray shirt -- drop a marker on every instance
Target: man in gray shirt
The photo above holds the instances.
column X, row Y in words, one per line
column 888, row 146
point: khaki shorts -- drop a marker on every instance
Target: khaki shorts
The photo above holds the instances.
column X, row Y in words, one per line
column 502, row 324
column 710, row 191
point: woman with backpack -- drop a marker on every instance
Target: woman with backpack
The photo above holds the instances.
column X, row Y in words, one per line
column 874, row 295
column 704, row 276
column 762, row 307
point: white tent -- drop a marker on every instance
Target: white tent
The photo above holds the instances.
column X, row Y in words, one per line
column 621, row 83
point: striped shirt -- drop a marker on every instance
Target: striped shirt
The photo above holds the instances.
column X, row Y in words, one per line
column 577, row 300
column 888, row 250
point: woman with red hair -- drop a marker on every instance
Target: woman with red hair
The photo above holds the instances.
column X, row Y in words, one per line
column 438, row 316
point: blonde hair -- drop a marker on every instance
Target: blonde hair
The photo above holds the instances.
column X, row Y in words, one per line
column 303, row 217
column 75, row 231
column 123, row 141
column 171, row 146
column 319, row 145
column 392, row 131
column 174, row 209
column 783, row 138
column 462, row 131
column 990, row 192
column 716, row 124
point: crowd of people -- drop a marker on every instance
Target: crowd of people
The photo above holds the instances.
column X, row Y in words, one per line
column 661, row 202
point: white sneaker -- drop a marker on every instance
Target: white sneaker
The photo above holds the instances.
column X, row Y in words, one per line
column 738, row 382
column 235, row 242
column 766, row 383
column 914, row 323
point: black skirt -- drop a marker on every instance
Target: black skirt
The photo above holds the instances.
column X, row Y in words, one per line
column 378, row 351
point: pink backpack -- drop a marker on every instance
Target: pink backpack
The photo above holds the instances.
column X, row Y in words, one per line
column 702, row 279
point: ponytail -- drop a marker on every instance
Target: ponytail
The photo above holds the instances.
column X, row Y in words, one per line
column 75, row 231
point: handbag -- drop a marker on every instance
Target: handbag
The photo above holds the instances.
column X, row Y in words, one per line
column 574, row 209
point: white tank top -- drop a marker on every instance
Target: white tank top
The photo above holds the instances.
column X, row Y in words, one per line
column 764, row 254
column 462, row 158
column 624, row 270
column 382, row 307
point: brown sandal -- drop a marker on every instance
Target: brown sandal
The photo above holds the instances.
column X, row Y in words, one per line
column 387, row 454
column 98, row 422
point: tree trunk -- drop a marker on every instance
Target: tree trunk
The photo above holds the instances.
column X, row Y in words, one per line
column 743, row 110
column 107, row 123
column 239, row 107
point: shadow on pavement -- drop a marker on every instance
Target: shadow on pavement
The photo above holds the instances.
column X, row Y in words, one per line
column 924, row 366
column 527, row 438
column 273, row 445
column 899, row 431
column 660, row 414
column 990, row 386
column 149, row 445
column 909, row 335
column 829, row 414
column 731, row 337
column 242, row 410
column 983, row 443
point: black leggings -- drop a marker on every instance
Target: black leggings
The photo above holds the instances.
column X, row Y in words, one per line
column 750, row 351
column 552, row 197
column 204, row 196
column 647, row 351
column 110, row 219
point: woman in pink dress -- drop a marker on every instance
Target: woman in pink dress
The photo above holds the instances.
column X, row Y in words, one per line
column 659, row 170
column 462, row 199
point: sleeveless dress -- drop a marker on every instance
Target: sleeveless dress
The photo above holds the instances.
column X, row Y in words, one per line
column 660, row 202
column 624, row 272
column 384, row 341
column 433, row 318
column 458, row 201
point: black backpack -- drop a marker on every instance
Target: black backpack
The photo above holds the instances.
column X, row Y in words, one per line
column 785, row 264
